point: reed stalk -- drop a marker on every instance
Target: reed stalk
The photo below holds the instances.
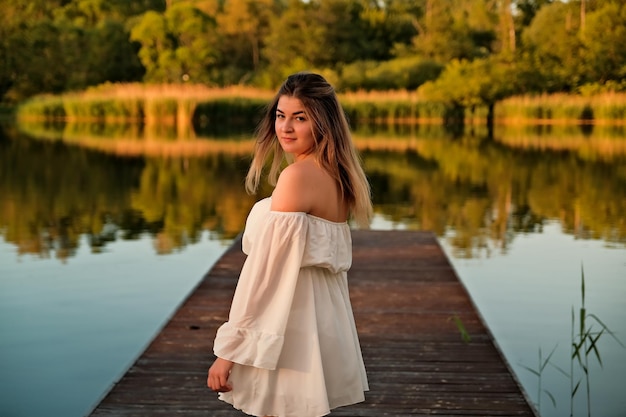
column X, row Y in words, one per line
column 584, row 345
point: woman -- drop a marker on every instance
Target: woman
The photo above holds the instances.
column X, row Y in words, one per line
column 290, row 346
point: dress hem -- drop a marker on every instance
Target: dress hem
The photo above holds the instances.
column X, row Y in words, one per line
column 247, row 411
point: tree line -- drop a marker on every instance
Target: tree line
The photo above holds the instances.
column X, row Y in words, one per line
column 461, row 52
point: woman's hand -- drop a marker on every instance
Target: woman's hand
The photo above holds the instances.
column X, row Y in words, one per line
column 218, row 375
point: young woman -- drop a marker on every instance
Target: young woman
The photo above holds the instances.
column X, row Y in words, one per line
column 290, row 346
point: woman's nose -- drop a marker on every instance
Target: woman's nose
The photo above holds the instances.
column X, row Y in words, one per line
column 287, row 126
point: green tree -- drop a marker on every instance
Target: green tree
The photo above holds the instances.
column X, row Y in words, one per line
column 96, row 45
column 176, row 46
column 38, row 60
column 526, row 11
column 151, row 32
column 604, row 54
column 53, row 46
column 18, row 22
column 111, row 56
column 88, row 13
column 243, row 25
column 59, row 45
column 195, row 43
column 349, row 36
column 456, row 29
column 102, row 50
column 391, row 26
column 552, row 49
column 127, row 8
column 330, row 34
column 296, row 42
column 468, row 84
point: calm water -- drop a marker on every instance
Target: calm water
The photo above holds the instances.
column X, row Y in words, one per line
column 103, row 235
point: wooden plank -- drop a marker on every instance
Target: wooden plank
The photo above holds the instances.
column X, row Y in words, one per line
column 407, row 301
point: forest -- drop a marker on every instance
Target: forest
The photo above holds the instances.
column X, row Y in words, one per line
column 463, row 52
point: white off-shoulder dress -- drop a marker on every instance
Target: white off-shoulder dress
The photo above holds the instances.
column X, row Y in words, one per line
column 291, row 331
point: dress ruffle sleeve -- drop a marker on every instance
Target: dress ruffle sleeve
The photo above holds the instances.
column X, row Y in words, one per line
column 254, row 332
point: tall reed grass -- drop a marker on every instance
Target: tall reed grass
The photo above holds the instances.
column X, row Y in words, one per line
column 586, row 333
column 169, row 104
column 184, row 104
column 390, row 106
column 563, row 108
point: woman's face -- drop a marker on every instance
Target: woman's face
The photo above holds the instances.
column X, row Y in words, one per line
column 294, row 128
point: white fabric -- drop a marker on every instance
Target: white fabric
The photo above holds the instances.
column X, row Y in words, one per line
column 291, row 331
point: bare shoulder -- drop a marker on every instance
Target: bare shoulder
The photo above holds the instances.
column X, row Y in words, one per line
column 295, row 188
column 306, row 187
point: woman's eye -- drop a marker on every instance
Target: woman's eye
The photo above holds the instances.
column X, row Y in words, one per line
column 279, row 116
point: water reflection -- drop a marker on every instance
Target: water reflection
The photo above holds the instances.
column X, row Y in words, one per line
column 487, row 190
column 52, row 194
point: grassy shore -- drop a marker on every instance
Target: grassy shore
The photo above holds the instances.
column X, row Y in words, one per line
column 185, row 104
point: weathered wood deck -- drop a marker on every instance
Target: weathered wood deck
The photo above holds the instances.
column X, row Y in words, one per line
column 404, row 294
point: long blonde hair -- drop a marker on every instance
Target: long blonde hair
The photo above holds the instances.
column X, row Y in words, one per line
column 334, row 148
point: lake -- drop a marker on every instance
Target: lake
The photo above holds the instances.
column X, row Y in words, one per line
column 104, row 231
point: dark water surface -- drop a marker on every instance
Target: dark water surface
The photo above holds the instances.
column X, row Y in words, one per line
column 103, row 235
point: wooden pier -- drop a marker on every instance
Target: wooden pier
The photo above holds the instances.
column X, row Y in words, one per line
column 425, row 347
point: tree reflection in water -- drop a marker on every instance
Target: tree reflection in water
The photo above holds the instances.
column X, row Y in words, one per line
column 487, row 190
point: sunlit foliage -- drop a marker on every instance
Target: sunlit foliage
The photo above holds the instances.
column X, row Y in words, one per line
column 520, row 46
